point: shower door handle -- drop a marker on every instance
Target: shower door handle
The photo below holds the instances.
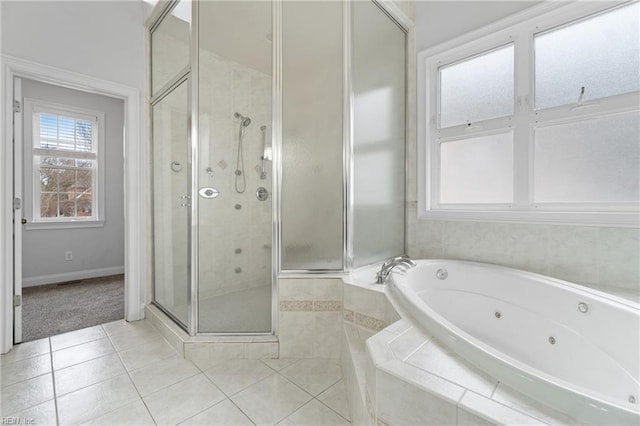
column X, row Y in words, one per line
column 208, row 192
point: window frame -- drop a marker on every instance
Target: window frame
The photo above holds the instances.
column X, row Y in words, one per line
column 519, row 30
column 33, row 108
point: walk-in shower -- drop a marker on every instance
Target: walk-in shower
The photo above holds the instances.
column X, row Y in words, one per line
column 211, row 71
column 277, row 149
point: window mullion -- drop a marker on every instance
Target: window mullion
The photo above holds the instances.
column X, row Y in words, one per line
column 523, row 81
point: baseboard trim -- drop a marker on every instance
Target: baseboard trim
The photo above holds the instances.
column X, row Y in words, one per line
column 71, row 276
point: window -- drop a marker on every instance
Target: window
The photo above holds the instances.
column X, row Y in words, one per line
column 66, row 165
column 538, row 122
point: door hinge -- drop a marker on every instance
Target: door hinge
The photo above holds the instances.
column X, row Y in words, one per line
column 17, row 300
column 17, row 203
column 17, row 106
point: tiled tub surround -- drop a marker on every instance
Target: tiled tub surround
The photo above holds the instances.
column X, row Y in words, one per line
column 365, row 303
column 603, row 258
column 402, row 375
column 310, row 317
column 125, row 373
column 413, row 379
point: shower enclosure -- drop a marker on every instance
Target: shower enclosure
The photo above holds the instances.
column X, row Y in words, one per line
column 278, row 137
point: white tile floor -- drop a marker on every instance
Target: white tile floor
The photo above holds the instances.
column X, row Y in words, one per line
column 127, row 374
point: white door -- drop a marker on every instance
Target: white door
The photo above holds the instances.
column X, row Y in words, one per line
column 18, row 214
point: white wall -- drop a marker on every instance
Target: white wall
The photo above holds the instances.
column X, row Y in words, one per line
column 103, row 39
column 96, row 251
column 439, row 21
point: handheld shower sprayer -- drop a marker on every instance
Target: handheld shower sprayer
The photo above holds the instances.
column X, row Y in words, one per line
column 244, row 121
column 241, row 182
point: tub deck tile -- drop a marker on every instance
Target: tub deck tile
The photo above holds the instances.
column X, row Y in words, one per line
column 491, row 412
column 514, row 399
column 436, row 358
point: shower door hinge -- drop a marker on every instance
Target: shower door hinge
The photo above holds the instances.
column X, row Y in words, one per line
column 17, row 106
column 17, row 300
column 17, row 203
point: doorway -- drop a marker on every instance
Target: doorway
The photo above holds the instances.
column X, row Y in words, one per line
column 69, row 251
column 136, row 215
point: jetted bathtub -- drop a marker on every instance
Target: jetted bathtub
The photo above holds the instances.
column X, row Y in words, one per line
column 570, row 347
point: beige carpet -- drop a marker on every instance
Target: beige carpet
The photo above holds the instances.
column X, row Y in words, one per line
column 58, row 308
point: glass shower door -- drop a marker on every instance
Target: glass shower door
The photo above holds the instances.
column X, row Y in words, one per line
column 234, row 167
column 171, row 202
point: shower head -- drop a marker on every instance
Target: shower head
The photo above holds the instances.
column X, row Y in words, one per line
column 245, row 121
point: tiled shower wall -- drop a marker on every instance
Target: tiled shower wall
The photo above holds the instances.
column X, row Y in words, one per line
column 235, row 229
column 604, row 258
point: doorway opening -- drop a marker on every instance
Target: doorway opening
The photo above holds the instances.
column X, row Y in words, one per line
column 69, row 178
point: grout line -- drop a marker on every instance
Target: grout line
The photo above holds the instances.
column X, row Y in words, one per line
column 3, row 356
column 91, row 384
column 202, row 411
column 493, row 392
column 413, row 352
column 53, row 383
column 277, row 371
column 132, row 382
column 331, row 408
column 294, row 411
column 24, row 380
column 460, row 400
column 242, row 411
column 77, row 344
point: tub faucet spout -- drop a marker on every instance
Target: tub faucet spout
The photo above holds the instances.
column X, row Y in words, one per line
column 387, row 267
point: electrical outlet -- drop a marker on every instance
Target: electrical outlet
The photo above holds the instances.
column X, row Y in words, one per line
column 68, row 255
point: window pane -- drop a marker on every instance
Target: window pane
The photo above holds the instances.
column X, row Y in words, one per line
column 50, row 161
column 477, row 89
column 65, row 133
column 83, row 136
column 48, row 180
column 84, row 180
column 85, row 205
column 66, row 180
column 477, row 170
column 67, row 205
column 601, row 54
column 48, row 204
column 589, row 161
column 48, row 131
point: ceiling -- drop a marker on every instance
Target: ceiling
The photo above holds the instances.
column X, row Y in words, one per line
column 440, row 21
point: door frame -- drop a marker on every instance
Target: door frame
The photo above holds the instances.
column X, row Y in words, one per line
column 135, row 207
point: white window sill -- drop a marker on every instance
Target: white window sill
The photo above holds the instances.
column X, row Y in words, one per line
column 32, row 226
column 608, row 219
